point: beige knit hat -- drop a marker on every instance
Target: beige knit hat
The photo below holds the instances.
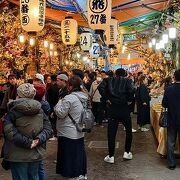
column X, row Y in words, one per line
column 26, row 90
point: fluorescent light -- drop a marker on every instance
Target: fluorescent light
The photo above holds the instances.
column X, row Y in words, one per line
column 165, row 38
column 123, row 49
column 153, row 41
column 129, row 56
column 172, row 33
column 162, row 44
column 158, row 46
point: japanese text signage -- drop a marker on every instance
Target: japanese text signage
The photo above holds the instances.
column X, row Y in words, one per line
column 69, row 31
column 99, row 14
column 86, row 41
column 111, row 34
column 32, row 14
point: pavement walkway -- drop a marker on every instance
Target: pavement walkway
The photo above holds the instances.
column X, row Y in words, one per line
column 146, row 164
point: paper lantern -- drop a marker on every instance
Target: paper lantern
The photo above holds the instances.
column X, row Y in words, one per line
column 95, row 50
column 101, row 61
column 32, row 15
column 99, row 14
column 69, row 31
column 113, row 60
column 111, row 35
column 86, row 41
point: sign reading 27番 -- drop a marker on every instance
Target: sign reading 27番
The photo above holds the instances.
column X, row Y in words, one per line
column 99, row 14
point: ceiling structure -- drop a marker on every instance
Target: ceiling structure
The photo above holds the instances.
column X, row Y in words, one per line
column 133, row 15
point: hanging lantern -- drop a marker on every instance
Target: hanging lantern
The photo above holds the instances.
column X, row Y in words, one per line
column 95, row 50
column 111, row 35
column 113, row 60
column 69, row 31
column 101, row 61
column 32, row 15
column 99, row 14
column 86, row 41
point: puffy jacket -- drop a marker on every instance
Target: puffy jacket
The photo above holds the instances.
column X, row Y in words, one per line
column 118, row 90
column 27, row 117
column 71, row 104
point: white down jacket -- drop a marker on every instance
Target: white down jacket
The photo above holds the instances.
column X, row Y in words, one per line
column 71, row 104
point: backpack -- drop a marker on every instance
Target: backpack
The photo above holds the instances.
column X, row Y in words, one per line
column 86, row 121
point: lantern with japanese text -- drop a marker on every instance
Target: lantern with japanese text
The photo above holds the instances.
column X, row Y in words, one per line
column 101, row 61
column 86, row 41
column 69, row 31
column 32, row 15
column 99, row 14
column 95, row 50
column 111, row 35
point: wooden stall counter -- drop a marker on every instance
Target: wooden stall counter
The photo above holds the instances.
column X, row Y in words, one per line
column 161, row 133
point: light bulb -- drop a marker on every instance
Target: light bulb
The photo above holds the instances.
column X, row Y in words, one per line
column 46, row 44
column 51, row 46
column 21, row 39
column 55, row 53
column 32, row 41
column 51, row 53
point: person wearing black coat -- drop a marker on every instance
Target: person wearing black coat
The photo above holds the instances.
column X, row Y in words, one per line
column 116, row 92
column 171, row 101
column 143, row 103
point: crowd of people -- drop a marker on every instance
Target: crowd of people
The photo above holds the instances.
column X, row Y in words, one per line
column 40, row 109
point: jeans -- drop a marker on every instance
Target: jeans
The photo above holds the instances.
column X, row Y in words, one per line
column 112, row 131
column 41, row 171
column 25, row 170
column 172, row 133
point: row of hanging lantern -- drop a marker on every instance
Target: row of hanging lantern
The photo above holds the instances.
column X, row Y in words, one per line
column 32, row 14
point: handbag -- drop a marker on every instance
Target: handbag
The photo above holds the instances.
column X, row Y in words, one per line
column 163, row 120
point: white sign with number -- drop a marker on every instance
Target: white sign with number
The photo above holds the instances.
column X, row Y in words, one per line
column 86, row 41
column 95, row 50
column 99, row 14
column 32, row 15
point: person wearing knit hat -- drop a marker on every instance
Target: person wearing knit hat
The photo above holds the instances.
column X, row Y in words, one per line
column 39, row 77
column 62, row 77
column 26, row 90
column 62, row 80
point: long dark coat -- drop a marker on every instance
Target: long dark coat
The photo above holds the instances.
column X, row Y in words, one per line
column 143, row 111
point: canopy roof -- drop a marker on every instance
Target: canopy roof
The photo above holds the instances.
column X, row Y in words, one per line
column 128, row 13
